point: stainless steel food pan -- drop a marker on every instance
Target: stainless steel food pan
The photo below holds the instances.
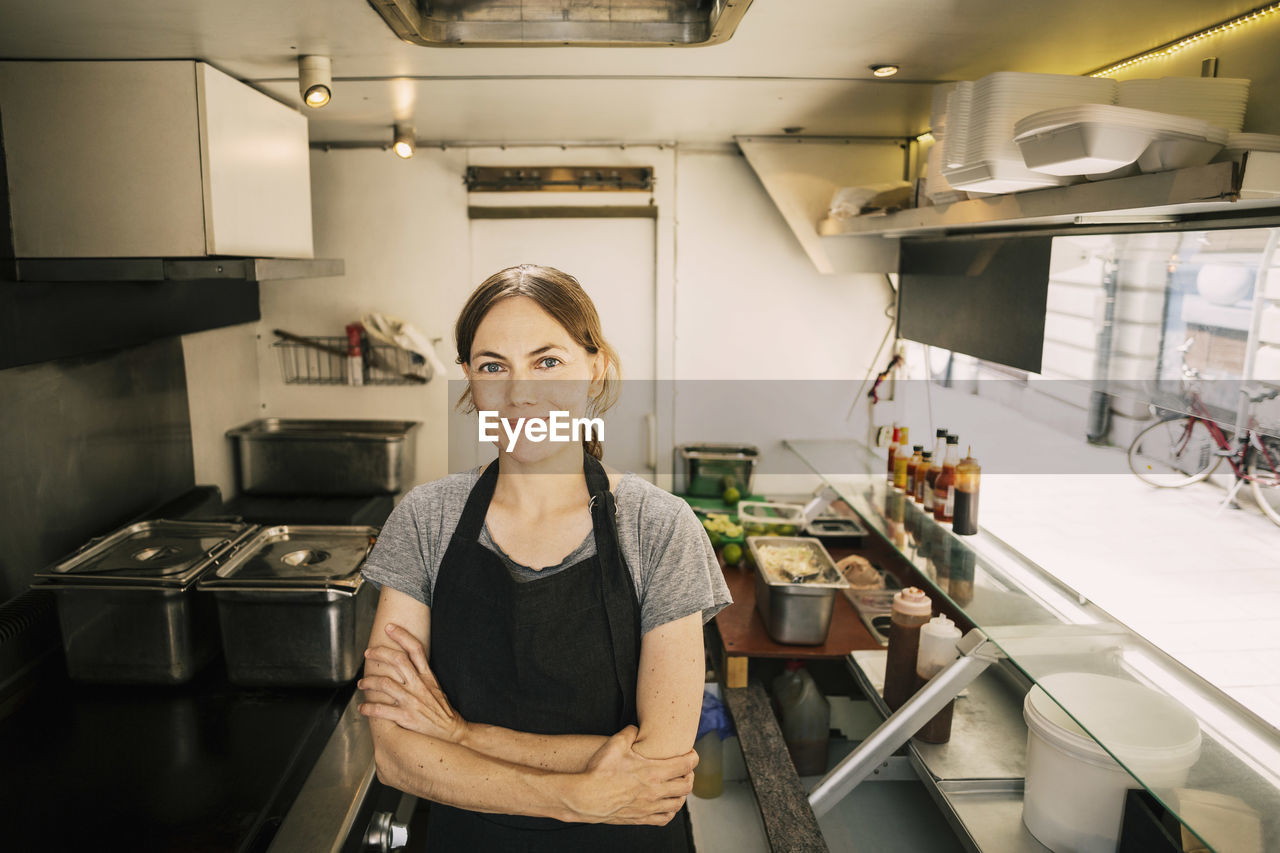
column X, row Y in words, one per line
column 324, row 457
column 295, row 637
column 136, row 635
column 293, row 606
column 702, row 470
column 795, row 612
column 127, row 602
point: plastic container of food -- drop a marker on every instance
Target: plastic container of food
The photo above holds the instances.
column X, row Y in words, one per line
column 759, row 518
column 1075, row 790
column 796, row 585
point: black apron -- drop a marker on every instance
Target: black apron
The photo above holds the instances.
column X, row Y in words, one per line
column 557, row 655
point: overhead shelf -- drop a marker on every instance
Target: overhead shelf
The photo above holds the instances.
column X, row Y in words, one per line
column 1156, row 198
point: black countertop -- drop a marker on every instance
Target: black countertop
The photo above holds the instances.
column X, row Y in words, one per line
column 206, row 766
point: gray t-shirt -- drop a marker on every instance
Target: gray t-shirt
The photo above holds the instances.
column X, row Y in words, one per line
column 665, row 548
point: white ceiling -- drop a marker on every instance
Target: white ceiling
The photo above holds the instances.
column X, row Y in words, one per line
column 791, row 63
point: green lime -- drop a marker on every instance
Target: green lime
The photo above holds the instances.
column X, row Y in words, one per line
column 731, row 495
column 716, row 539
column 732, row 554
column 755, row 529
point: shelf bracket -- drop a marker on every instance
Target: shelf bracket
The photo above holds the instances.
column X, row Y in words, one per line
column 977, row 652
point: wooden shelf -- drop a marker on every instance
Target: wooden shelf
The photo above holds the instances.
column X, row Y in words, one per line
column 1215, row 188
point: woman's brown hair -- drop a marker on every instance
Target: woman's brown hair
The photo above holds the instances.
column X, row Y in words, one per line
column 561, row 296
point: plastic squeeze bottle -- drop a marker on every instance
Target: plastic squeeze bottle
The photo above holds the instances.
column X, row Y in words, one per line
column 938, row 640
column 806, row 723
column 911, row 609
column 713, row 727
column 968, row 475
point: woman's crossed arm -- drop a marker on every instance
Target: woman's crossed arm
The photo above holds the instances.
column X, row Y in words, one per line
column 424, row 747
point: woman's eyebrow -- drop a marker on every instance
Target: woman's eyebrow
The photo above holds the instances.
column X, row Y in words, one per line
column 538, row 351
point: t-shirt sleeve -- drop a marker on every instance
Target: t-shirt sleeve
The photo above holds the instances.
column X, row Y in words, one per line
column 682, row 574
column 402, row 557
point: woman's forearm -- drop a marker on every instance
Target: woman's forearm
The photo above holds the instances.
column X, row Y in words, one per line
column 616, row 786
column 456, row 775
column 559, row 753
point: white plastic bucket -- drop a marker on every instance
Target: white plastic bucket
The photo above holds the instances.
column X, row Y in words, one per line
column 1075, row 790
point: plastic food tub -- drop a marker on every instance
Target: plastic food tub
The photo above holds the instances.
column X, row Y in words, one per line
column 1075, row 791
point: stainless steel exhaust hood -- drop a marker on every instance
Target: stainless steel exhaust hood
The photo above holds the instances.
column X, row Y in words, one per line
column 167, row 269
column 585, row 23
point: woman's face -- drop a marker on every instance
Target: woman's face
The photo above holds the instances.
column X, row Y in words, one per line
column 524, row 364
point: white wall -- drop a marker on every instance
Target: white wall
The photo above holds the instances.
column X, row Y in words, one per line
column 738, row 299
column 222, row 392
column 788, row 345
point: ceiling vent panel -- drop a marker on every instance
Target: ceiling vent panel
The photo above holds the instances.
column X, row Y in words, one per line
column 550, row 23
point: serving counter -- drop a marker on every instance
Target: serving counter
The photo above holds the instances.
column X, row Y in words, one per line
column 1230, row 799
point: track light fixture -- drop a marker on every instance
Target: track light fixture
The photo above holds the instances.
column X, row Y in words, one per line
column 403, row 143
column 315, row 80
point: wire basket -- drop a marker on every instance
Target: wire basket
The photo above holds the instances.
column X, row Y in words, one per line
column 323, row 361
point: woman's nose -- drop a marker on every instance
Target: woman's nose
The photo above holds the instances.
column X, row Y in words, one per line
column 522, row 390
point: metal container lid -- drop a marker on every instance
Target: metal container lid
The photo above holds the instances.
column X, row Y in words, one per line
column 296, row 428
column 297, row 556
column 158, row 552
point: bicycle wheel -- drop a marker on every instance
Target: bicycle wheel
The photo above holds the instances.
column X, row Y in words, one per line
column 1174, row 453
column 1264, row 477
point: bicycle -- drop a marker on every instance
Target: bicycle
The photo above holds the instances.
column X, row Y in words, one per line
column 1184, row 449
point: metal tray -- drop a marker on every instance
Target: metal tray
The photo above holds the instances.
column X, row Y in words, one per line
column 701, row 469
column 276, row 456
column 293, row 606
column 827, row 575
column 795, row 613
column 128, row 608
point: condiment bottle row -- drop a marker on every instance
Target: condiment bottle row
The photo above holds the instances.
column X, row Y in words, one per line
column 938, row 480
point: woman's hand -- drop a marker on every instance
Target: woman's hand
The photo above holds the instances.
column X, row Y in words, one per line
column 622, row 786
column 411, row 698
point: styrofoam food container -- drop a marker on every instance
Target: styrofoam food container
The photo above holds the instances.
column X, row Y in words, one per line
column 1075, row 791
column 1092, row 139
column 1179, row 151
column 999, row 176
column 1239, row 143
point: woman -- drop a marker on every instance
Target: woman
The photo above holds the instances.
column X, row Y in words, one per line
column 536, row 663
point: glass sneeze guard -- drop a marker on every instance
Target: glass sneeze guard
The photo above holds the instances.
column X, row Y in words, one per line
column 1230, row 799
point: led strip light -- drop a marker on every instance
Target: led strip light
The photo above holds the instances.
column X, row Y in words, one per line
column 1170, row 48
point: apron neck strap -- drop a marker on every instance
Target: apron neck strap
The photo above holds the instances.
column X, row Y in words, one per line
column 482, row 494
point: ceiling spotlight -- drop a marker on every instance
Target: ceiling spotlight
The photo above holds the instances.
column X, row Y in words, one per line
column 884, row 70
column 403, row 145
column 315, row 80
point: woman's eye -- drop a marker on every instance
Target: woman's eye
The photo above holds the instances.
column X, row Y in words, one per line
column 484, row 368
column 544, row 361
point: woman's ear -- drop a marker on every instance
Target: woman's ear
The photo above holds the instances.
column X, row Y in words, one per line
column 599, row 370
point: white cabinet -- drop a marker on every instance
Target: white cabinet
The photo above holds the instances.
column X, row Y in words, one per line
column 151, row 159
